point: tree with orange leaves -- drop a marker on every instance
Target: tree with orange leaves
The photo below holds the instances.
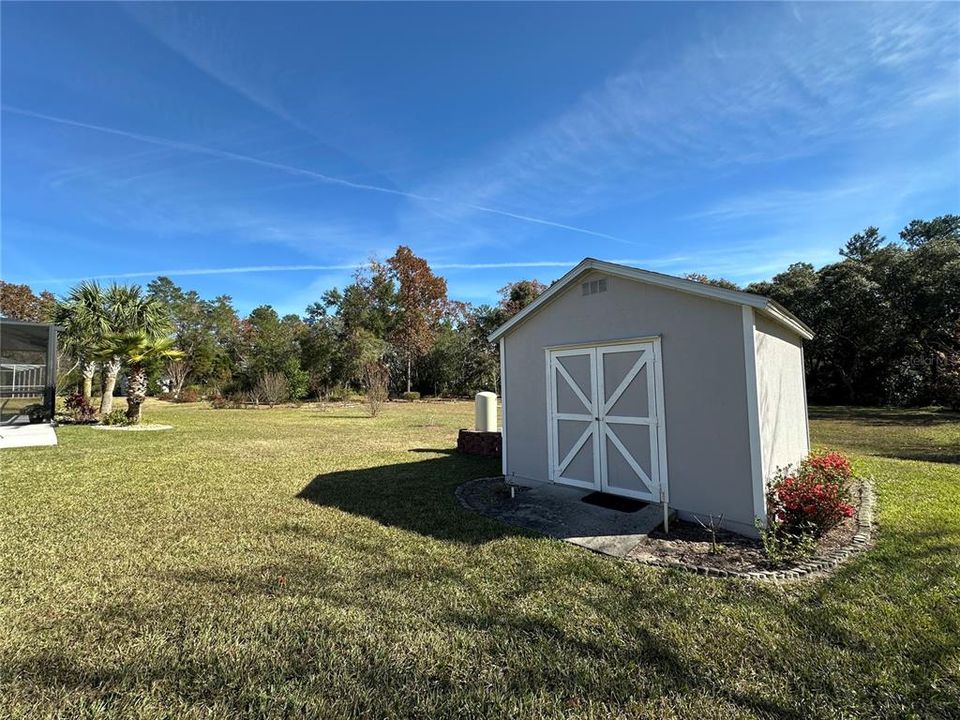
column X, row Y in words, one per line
column 421, row 304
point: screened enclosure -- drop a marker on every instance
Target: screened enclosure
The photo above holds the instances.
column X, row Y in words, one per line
column 28, row 370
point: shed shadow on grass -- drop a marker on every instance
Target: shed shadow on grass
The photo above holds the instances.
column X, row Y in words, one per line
column 417, row 496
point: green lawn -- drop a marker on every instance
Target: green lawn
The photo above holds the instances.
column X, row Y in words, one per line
column 315, row 563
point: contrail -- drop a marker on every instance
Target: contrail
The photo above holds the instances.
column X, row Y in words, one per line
column 304, row 172
column 327, row 268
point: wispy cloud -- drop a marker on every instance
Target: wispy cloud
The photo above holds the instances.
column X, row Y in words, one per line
column 245, row 269
column 302, row 172
column 766, row 84
column 213, row 52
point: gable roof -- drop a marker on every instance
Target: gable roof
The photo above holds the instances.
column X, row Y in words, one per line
column 766, row 306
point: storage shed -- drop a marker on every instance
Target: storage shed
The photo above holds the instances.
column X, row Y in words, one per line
column 654, row 387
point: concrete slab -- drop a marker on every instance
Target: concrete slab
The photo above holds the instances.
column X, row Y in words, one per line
column 30, row 435
column 558, row 511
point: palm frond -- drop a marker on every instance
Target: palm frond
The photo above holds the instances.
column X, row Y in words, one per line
column 135, row 347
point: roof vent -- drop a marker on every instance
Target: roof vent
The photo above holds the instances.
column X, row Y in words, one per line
column 594, row 286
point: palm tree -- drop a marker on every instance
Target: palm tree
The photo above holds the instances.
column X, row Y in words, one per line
column 137, row 350
column 127, row 312
column 81, row 315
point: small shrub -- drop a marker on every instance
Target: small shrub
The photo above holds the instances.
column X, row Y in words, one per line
column 36, row 413
column 233, row 401
column 78, row 409
column 377, row 381
column 117, row 417
column 272, row 388
column 190, row 394
column 410, row 395
column 713, row 527
column 780, row 546
column 338, row 393
column 218, row 401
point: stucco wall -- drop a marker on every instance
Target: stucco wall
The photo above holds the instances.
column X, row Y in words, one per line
column 704, row 377
column 781, row 396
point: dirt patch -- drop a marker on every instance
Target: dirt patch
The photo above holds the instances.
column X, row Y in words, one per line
column 689, row 544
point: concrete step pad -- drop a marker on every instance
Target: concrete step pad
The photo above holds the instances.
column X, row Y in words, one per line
column 641, row 524
column 558, row 511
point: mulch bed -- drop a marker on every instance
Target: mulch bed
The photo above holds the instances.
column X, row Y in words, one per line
column 689, row 544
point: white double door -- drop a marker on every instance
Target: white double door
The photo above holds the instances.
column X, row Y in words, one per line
column 605, row 429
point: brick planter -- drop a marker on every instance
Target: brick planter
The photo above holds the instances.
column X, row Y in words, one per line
column 474, row 442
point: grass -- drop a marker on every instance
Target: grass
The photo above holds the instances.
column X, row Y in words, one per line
column 919, row 434
column 291, row 563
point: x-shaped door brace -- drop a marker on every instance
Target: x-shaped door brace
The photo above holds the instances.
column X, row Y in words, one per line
column 625, row 383
column 576, row 388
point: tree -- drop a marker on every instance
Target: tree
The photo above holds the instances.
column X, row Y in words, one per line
column 515, row 296
column 177, row 371
column 126, row 311
column 862, row 245
column 17, row 302
column 81, row 315
column 362, row 348
column 354, row 320
column 716, row 282
column 271, row 344
column 919, row 232
column 483, row 360
column 885, row 317
column 319, row 348
column 203, row 330
column 274, row 338
column 137, row 350
column 421, row 304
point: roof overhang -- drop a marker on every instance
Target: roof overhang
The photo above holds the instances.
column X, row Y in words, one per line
column 766, row 306
column 28, row 323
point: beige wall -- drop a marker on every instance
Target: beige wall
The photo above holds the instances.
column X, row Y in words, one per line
column 704, row 377
column 781, row 396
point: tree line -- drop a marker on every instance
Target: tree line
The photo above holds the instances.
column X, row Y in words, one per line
column 393, row 324
column 886, row 319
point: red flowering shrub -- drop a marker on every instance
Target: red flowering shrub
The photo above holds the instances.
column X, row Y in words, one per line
column 814, row 498
column 828, row 467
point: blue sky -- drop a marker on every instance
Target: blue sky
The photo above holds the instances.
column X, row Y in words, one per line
column 212, row 141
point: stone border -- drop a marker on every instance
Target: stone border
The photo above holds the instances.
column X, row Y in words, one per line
column 811, row 568
column 805, row 569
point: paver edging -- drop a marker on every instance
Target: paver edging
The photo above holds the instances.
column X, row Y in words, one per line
column 810, row 568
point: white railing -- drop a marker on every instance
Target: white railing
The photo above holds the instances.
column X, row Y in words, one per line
column 25, row 381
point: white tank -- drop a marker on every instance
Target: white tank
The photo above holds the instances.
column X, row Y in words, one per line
column 486, row 411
